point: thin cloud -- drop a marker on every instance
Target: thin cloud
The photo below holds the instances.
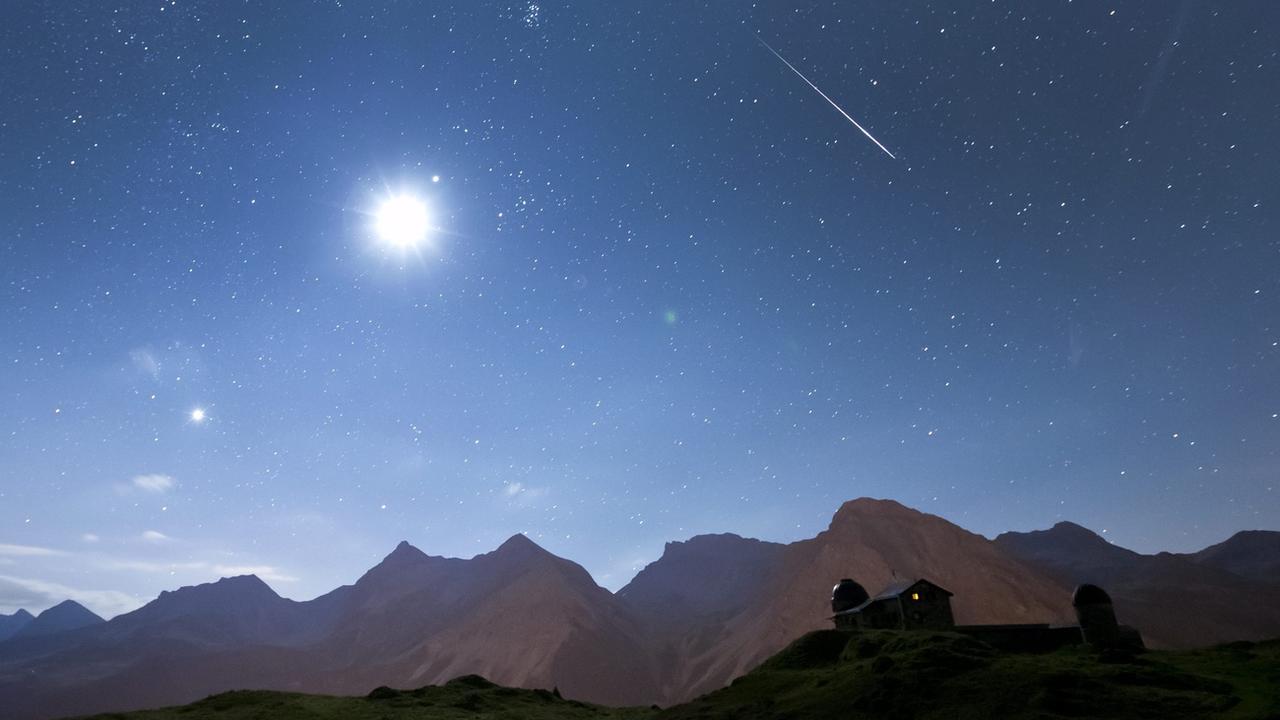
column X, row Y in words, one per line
column 36, row 595
column 269, row 573
column 28, row 551
column 264, row 572
column 155, row 536
column 146, row 566
column 154, row 483
column 518, row 492
column 145, row 361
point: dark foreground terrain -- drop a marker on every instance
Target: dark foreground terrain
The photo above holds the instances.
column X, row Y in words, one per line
column 833, row 674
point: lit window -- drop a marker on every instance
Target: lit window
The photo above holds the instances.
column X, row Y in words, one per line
column 915, row 596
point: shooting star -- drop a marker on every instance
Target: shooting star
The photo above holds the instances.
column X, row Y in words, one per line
column 824, row 96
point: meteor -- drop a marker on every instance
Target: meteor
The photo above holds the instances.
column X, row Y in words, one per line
column 824, row 96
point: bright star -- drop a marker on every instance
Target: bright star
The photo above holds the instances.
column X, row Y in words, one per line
column 197, row 415
column 402, row 222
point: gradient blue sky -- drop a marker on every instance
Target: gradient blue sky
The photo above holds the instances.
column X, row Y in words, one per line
column 671, row 289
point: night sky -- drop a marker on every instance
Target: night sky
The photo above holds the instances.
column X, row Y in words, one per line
column 661, row 287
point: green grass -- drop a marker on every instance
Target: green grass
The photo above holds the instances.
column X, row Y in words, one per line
column 883, row 674
column 838, row 675
column 466, row 697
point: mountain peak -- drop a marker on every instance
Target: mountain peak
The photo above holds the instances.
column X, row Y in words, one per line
column 870, row 505
column 240, row 584
column 866, row 503
column 403, row 561
column 10, row 625
column 248, row 582
column 1063, row 531
column 519, row 543
column 236, row 586
column 403, row 558
column 1250, row 553
column 1066, row 526
column 1066, row 545
column 228, row 596
column 703, row 576
column 69, row 608
column 1255, row 536
column 66, row 615
column 710, row 544
column 404, row 552
column 867, row 507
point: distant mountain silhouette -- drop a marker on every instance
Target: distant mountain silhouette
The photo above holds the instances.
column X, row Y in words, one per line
column 789, row 590
column 711, row 608
column 1068, row 546
column 11, row 624
column 1253, row 554
column 702, row 578
column 518, row 616
column 1173, row 599
column 230, row 612
column 66, row 615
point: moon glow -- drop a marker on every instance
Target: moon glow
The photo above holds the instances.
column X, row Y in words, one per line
column 402, row 222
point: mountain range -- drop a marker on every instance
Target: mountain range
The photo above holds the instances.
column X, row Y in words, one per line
column 708, row 610
column 11, row 624
column 66, row 615
column 1216, row 595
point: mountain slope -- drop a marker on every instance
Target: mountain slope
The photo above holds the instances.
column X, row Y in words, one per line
column 1174, row 601
column 11, row 624
column 66, row 615
column 885, row 674
column 173, row 649
column 1068, row 546
column 869, row 540
column 1252, row 554
column 706, row 576
column 518, row 614
column 229, row 612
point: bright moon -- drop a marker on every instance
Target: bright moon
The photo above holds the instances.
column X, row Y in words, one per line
column 197, row 415
column 402, row 221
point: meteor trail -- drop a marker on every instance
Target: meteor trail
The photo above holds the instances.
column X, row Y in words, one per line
column 824, row 96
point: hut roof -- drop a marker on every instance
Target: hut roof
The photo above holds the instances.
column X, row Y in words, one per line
column 895, row 590
column 898, row 588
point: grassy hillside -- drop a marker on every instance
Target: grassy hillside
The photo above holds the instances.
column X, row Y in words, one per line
column 466, row 697
column 831, row 674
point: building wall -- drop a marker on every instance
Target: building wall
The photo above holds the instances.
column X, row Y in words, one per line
column 924, row 606
column 882, row 615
